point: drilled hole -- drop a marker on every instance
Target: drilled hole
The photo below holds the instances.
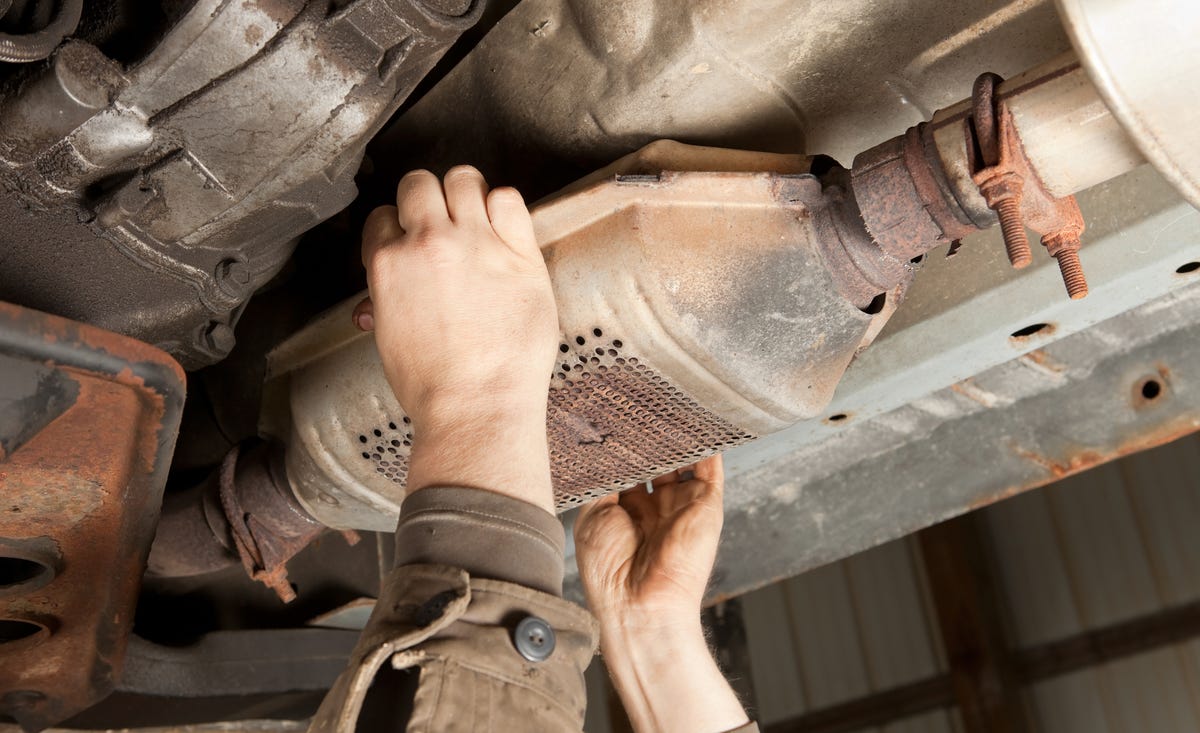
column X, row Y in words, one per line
column 617, row 343
column 1030, row 330
column 564, row 348
column 580, row 340
column 876, row 304
column 1151, row 389
column 362, row 438
column 391, row 426
column 1187, row 268
column 13, row 630
column 839, row 417
column 19, row 571
column 377, row 433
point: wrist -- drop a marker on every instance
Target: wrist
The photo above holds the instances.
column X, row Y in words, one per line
column 653, row 645
column 446, row 414
column 459, row 448
column 667, row 677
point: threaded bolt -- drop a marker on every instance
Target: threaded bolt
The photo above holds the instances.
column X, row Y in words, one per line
column 1072, row 271
column 1012, row 227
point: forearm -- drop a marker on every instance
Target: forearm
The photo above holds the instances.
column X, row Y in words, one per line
column 667, row 678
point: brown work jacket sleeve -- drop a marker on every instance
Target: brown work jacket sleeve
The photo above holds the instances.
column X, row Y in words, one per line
column 471, row 566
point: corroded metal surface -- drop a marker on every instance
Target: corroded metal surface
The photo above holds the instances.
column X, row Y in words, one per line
column 80, row 500
column 906, row 203
column 172, row 187
column 1013, row 189
column 244, row 512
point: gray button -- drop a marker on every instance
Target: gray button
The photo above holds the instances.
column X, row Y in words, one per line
column 534, row 639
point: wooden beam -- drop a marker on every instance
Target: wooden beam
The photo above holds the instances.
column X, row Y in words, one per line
column 1163, row 628
column 873, row 710
column 982, row 672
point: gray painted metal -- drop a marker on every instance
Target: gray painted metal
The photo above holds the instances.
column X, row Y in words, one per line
column 170, row 191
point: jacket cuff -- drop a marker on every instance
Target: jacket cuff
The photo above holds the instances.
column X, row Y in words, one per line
column 460, row 632
column 489, row 535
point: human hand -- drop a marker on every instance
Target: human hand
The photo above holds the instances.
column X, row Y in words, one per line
column 644, row 559
column 647, row 556
column 467, row 330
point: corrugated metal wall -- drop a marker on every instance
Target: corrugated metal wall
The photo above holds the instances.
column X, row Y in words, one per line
column 1108, row 545
column 1115, row 543
column 843, row 631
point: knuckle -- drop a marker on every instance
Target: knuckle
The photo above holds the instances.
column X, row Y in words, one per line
column 429, row 238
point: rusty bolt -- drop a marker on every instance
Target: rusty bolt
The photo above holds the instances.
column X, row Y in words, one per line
column 1003, row 195
column 1064, row 247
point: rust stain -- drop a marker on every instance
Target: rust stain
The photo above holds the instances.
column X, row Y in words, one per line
column 967, row 388
column 1059, row 467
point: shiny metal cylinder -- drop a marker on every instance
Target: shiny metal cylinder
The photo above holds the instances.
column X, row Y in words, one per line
column 1069, row 134
column 1141, row 57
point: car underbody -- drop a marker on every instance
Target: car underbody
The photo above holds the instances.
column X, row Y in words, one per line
column 796, row 232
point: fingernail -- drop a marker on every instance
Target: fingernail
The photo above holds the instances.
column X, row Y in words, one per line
column 365, row 322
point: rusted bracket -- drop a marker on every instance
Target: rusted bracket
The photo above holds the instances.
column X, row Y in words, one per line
column 88, row 421
column 1014, row 191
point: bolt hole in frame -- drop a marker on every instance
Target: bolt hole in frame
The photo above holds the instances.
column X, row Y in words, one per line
column 14, row 630
column 1150, row 390
column 23, row 574
column 1034, row 328
column 1188, row 268
column 837, row 418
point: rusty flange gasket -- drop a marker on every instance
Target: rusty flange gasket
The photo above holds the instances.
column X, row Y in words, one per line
column 1012, row 188
column 267, row 525
column 88, row 421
